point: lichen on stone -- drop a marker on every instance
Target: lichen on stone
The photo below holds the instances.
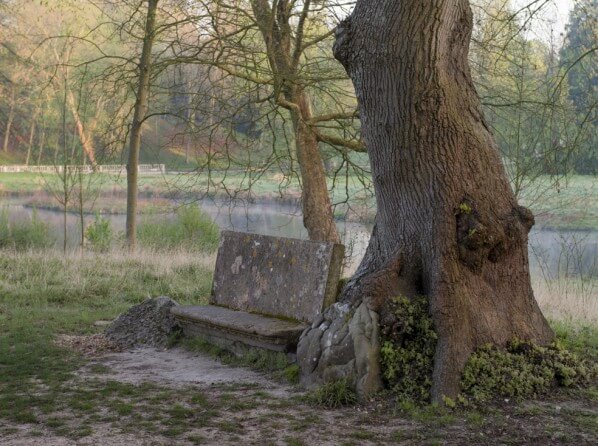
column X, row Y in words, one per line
column 408, row 342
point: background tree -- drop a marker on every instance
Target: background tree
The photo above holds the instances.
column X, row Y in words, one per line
column 272, row 52
column 580, row 64
column 141, row 107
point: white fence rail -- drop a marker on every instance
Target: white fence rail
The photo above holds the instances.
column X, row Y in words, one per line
column 143, row 168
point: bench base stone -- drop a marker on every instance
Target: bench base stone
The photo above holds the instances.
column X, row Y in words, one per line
column 234, row 330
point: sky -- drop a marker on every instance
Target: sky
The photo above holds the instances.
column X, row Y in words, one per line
column 551, row 21
column 553, row 18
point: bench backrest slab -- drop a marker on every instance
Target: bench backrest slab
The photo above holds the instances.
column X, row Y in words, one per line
column 276, row 276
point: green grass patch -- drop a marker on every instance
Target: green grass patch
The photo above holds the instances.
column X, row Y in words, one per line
column 44, row 294
column 581, row 340
column 333, row 395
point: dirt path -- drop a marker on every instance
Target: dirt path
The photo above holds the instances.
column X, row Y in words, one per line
column 176, row 368
column 175, row 397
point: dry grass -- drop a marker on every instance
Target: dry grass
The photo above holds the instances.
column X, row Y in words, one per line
column 167, row 261
column 50, row 272
column 569, row 300
column 50, row 276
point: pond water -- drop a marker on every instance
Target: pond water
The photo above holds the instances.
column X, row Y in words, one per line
column 552, row 253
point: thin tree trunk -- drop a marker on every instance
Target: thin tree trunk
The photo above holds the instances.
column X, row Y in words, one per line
column 31, row 137
column 9, row 121
column 81, row 204
column 274, row 23
column 448, row 224
column 64, row 222
column 141, row 107
column 66, row 190
column 86, row 141
column 190, row 121
column 318, row 218
column 56, row 153
column 42, row 142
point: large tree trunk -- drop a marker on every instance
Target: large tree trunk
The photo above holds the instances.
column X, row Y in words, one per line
column 448, row 225
column 141, row 107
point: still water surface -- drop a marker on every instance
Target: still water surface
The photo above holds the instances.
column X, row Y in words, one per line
column 557, row 253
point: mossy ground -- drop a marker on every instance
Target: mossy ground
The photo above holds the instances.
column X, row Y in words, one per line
column 523, row 370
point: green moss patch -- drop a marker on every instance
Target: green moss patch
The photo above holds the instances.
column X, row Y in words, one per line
column 408, row 342
column 521, row 370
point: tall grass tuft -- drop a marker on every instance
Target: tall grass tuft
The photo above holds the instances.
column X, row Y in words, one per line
column 25, row 234
column 191, row 229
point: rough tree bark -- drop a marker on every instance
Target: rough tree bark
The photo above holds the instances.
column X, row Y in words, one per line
column 318, row 218
column 448, row 224
column 141, row 107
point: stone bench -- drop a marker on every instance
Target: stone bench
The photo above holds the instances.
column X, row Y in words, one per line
column 266, row 291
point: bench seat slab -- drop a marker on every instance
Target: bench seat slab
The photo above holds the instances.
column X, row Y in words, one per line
column 223, row 324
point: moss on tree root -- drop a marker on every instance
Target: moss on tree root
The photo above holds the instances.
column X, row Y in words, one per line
column 408, row 342
column 519, row 370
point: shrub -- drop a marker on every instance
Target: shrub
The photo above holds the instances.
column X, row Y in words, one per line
column 4, row 228
column 522, row 369
column 408, row 343
column 99, row 234
column 32, row 233
column 191, row 228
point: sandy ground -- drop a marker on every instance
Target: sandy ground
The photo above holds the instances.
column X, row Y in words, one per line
column 177, row 368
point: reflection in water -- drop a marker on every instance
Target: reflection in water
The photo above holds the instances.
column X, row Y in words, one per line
column 552, row 253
